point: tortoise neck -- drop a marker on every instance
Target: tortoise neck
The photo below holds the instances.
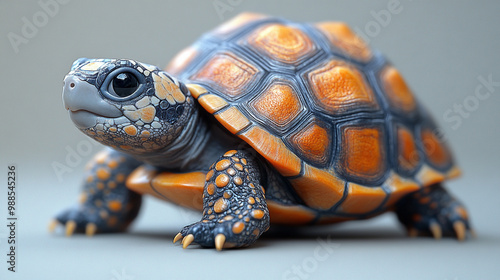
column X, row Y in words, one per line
column 185, row 149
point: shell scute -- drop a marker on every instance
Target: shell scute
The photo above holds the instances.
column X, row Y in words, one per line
column 344, row 39
column 278, row 104
column 281, row 42
column 363, row 152
column 228, row 73
column 340, row 88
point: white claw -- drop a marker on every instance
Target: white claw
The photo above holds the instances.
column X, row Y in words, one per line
column 90, row 229
column 220, row 239
column 435, row 228
column 187, row 240
column 460, row 230
column 53, row 225
column 70, row 228
column 178, row 237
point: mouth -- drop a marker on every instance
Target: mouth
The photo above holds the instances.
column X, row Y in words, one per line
column 83, row 111
column 83, row 119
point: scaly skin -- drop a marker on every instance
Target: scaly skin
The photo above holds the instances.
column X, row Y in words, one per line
column 235, row 212
column 106, row 205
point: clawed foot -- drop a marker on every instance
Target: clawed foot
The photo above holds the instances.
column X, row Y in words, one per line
column 90, row 222
column 111, row 217
column 105, row 204
column 220, row 234
column 71, row 226
column 434, row 212
column 460, row 230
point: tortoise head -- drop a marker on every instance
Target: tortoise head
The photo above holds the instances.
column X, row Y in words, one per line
column 128, row 105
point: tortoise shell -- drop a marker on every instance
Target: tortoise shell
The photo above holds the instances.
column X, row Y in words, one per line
column 331, row 115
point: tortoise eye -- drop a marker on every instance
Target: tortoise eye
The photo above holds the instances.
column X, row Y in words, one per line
column 124, row 84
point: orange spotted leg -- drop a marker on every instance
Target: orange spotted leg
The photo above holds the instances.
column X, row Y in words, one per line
column 433, row 211
column 235, row 212
column 106, row 205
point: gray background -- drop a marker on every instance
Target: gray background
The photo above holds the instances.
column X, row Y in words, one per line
column 442, row 48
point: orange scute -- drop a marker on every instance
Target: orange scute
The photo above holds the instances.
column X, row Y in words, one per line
column 408, row 156
column 398, row 93
column 228, row 73
column 212, row 103
column 140, row 180
column 434, row 149
column 318, row 188
column 428, row 176
column 362, row 199
column 313, row 142
column 399, row 187
column 289, row 215
column 232, row 119
column 278, row 103
column 339, row 87
column 363, row 152
column 196, row 90
column 281, row 42
column 185, row 189
column 272, row 149
column 341, row 36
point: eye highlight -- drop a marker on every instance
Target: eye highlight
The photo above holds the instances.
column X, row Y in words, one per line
column 124, row 84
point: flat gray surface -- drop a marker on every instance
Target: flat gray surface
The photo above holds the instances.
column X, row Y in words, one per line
column 442, row 48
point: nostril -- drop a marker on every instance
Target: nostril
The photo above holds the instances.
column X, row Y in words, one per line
column 72, row 85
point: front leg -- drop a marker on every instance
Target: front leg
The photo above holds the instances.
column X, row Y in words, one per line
column 235, row 212
column 106, row 205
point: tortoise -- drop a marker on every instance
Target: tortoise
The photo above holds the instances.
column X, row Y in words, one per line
column 262, row 120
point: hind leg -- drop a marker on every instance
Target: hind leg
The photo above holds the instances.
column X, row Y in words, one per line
column 106, row 205
column 433, row 211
